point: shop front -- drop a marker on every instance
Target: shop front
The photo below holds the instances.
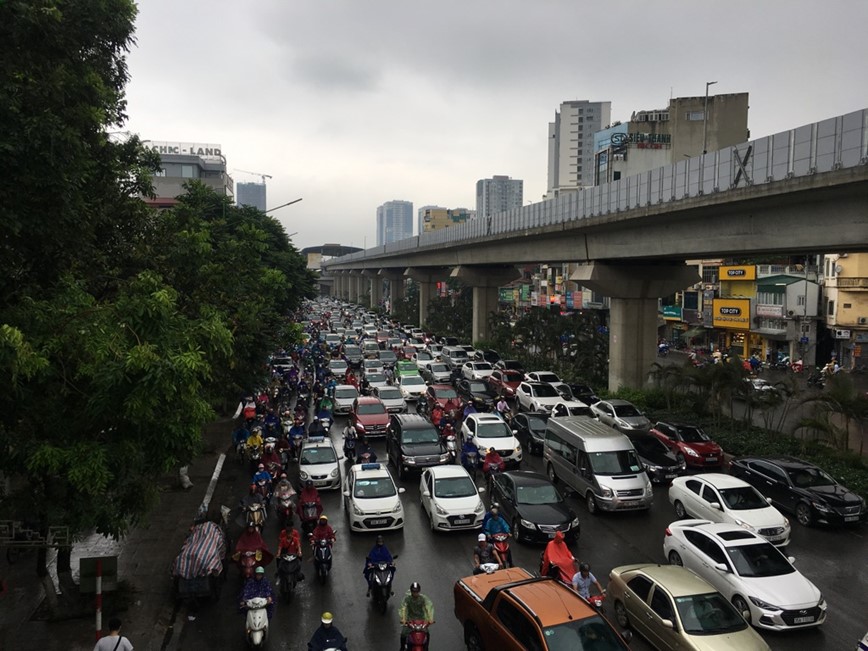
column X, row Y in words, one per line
column 732, row 317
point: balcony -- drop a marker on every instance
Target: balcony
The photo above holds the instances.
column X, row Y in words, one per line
column 797, row 270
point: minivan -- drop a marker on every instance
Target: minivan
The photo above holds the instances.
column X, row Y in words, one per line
column 455, row 356
column 598, row 463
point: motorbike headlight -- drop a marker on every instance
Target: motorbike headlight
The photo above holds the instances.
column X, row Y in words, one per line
column 527, row 524
column 690, row 452
column 765, row 605
column 334, row 473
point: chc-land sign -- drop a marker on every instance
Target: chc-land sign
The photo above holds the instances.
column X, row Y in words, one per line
column 201, row 150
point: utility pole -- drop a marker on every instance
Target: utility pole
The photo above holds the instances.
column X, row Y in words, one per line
column 705, row 117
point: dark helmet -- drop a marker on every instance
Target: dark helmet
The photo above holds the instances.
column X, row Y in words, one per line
column 308, row 483
column 415, row 587
column 584, row 567
column 380, row 540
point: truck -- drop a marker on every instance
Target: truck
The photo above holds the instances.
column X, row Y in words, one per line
column 514, row 610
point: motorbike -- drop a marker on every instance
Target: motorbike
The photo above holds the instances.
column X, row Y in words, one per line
column 382, row 575
column 255, row 515
column 471, row 463
column 490, row 474
column 288, row 570
column 350, row 445
column 817, row 380
column 596, row 601
column 322, row 559
column 417, row 638
column 263, row 487
column 325, row 419
column 451, row 446
column 285, row 506
column 662, row 350
column 501, row 545
column 308, row 517
column 248, row 561
column 256, row 626
column 253, row 453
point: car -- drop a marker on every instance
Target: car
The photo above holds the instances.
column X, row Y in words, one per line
column 372, row 366
column 353, row 354
column 504, row 382
column 550, row 378
column 622, row 415
column 345, row 394
column 338, row 367
column 440, row 394
column 758, row 384
column 411, row 387
column 373, row 380
column 536, row 396
column 282, row 364
column 437, row 373
column 661, row 465
column 530, row 430
column 423, row 359
column 406, row 367
column 476, row 370
column 673, row 608
column 570, row 408
column 489, row 431
column 749, row 571
column 533, row 507
column 333, row 340
column 435, row 348
column 392, row 398
column 388, row 358
column 801, row 488
column 413, row 443
column 369, row 416
column 490, row 356
column 318, row 461
column 371, row 499
column 509, row 365
column 690, row 444
column 450, row 498
column 722, row 498
column 584, row 393
column 477, row 392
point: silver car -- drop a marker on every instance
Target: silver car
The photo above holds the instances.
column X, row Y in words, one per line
column 622, row 415
column 344, row 396
column 392, row 398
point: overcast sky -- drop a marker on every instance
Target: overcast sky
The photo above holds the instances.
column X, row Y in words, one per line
column 351, row 103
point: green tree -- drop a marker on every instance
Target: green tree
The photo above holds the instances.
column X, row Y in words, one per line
column 452, row 315
column 840, row 413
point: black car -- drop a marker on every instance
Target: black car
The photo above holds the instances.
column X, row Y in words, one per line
column 533, row 507
column 660, row 463
column 413, row 443
column 477, row 392
column 584, row 393
column 490, row 356
column 801, row 488
column 530, row 429
column 509, row 365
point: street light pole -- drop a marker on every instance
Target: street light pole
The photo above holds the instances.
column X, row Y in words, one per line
column 283, row 205
column 705, row 117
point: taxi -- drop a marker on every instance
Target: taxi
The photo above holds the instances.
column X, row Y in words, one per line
column 372, row 500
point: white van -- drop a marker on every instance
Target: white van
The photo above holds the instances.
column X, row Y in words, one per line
column 598, row 463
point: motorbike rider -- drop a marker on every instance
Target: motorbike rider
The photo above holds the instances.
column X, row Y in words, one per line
column 469, row 408
column 495, row 524
column 290, row 544
column 557, row 560
column 363, row 448
column 378, row 554
column 251, row 497
column 468, row 448
column 309, row 493
column 323, row 531
column 583, row 580
column 239, row 437
column 492, row 459
column 484, row 552
column 258, row 586
column 272, row 461
column 502, row 407
column 414, row 607
column 251, row 540
column 437, row 415
column 246, row 408
column 255, row 438
column 272, row 422
column 327, row 636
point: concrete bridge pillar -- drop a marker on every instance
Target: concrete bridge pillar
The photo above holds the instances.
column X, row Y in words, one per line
column 338, row 291
column 633, row 291
column 396, row 287
column 352, row 287
column 486, row 282
column 375, row 282
column 427, row 279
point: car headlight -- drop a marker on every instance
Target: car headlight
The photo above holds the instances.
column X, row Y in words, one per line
column 357, row 510
column 518, row 449
column 822, row 602
column 360, row 427
column 765, row 605
column 397, row 508
column 574, row 523
column 786, row 523
column 527, row 524
column 607, row 492
column 745, row 525
column 690, row 452
column 444, row 458
column 648, row 487
column 334, row 473
column 822, row 508
column 410, row 461
column 480, row 508
column 303, row 475
column 439, row 509
column 652, row 468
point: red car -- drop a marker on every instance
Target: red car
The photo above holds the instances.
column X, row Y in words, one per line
column 369, row 416
column 689, row 444
column 505, row 382
column 441, row 393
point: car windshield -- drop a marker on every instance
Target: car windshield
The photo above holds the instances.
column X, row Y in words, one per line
column 579, row 411
column 352, row 350
column 337, row 363
column 690, row 434
column 446, row 394
column 454, row 487
column 421, row 435
column 312, row 456
column 648, row 445
column 389, row 393
column 626, row 411
column 439, row 368
column 590, row 634
column 347, row 394
column 511, row 376
column 511, row 363
column 412, row 380
column 545, row 391
column 547, row 377
column 373, row 488
column 622, row 462
column 424, row 357
column 743, row 498
column 536, row 424
column 759, row 560
column 492, row 430
column 482, row 366
column 371, row 408
column 477, row 387
column 708, row 614
column 375, row 378
column 537, row 494
column 387, row 356
column 807, row 477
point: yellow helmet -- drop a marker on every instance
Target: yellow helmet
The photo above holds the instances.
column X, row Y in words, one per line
column 327, row 618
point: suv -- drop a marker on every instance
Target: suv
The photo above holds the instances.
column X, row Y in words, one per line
column 412, row 442
column 369, row 416
column 489, row 431
column 537, row 396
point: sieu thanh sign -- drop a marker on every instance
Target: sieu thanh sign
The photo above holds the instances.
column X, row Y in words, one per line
column 202, row 150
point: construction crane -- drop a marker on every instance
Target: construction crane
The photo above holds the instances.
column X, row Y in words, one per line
column 264, row 176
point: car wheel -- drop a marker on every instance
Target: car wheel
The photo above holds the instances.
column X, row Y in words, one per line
column 471, row 638
column 675, row 559
column 553, row 477
column 399, row 470
column 621, row 615
column 431, row 522
column 591, row 503
column 804, row 515
column 516, row 531
column 680, row 458
column 741, row 606
column 680, row 511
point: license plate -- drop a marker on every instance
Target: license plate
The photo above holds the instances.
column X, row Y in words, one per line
column 378, row 521
column 551, row 535
column 711, row 459
column 851, row 518
column 460, row 521
column 802, row 620
column 670, row 476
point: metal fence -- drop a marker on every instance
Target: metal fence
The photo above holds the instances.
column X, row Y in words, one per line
column 836, row 143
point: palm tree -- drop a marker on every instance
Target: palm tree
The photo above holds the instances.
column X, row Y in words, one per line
column 838, row 410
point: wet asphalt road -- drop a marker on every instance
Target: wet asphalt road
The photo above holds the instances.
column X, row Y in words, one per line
column 835, row 560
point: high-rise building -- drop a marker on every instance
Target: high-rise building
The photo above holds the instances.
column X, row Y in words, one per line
column 182, row 162
column 420, row 216
column 436, row 218
column 498, row 194
column 394, row 221
column 571, row 145
column 251, row 194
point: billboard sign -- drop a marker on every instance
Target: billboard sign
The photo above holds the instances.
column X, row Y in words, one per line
column 731, row 313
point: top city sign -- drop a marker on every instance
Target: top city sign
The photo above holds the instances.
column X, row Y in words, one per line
column 201, row 150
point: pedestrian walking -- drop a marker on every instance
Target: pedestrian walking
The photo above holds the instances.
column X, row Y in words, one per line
column 114, row 641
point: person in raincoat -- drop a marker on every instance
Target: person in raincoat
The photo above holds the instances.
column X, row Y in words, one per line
column 557, row 560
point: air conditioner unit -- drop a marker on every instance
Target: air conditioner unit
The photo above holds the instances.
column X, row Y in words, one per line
column 863, row 320
column 790, row 312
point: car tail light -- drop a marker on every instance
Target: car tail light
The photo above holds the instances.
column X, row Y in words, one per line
column 668, row 532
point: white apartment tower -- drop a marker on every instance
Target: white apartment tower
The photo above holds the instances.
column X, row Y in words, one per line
column 498, row 194
column 571, row 145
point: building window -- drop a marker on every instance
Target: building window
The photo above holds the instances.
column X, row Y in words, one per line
column 709, row 275
column 801, row 300
column 695, row 116
column 188, row 172
column 616, row 176
column 770, row 298
column 830, row 310
column 847, row 306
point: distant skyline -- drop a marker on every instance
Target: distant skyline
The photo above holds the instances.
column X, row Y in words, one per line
column 311, row 94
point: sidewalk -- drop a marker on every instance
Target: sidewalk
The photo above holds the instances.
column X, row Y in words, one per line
column 144, row 560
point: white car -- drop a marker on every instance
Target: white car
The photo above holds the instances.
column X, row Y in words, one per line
column 752, row 573
column 372, row 366
column 423, row 359
column 376, row 380
column 477, row 370
column 571, row 408
column 536, row 396
column 550, row 378
column 412, row 386
column 451, row 499
column 318, row 461
column 344, row 396
column 723, row 498
column 371, row 499
column 338, row 367
column 489, row 431
column 392, row 398
column 621, row 415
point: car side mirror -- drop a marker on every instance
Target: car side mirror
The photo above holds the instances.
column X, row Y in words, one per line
column 721, row 567
column 514, row 432
column 627, row 636
column 668, row 623
column 402, row 490
column 791, row 559
column 481, row 489
column 715, row 505
column 426, row 494
column 346, row 493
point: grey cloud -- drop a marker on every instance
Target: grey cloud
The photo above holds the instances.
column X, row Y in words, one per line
column 334, row 74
